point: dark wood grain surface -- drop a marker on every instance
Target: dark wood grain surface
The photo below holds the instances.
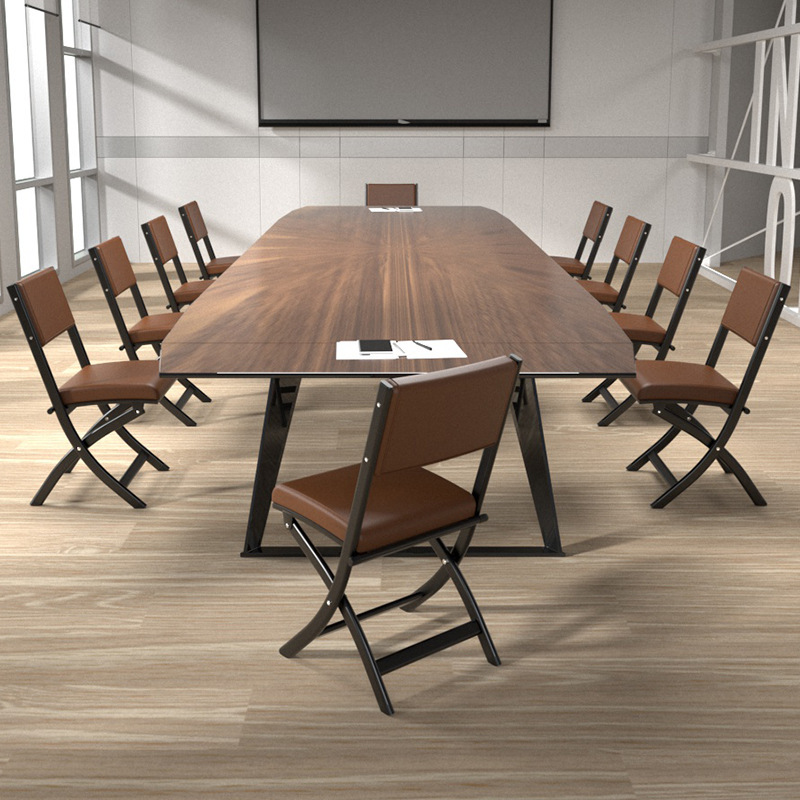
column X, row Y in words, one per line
column 325, row 274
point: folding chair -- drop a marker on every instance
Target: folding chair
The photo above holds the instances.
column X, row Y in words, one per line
column 630, row 244
column 593, row 230
column 120, row 389
column 389, row 503
column 391, row 194
column 677, row 275
column 676, row 389
column 162, row 249
column 210, row 265
column 116, row 276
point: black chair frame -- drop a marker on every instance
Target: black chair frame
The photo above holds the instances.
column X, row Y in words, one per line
column 130, row 347
column 161, row 268
column 113, row 420
column 336, row 582
column 198, row 253
column 662, row 349
column 631, row 270
column 681, row 418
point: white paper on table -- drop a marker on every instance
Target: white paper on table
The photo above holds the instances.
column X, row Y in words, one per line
column 382, row 209
column 440, row 348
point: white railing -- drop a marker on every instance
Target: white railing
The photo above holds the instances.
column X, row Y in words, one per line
column 775, row 156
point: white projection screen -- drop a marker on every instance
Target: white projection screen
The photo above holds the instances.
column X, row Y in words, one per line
column 395, row 62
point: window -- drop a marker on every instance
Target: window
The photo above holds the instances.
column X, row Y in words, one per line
column 54, row 169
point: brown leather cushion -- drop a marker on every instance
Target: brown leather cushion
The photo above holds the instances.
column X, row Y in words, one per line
column 401, row 505
column 676, row 266
column 188, row 292
column 571, row 265
column 46, row 304
column 116, row 265
column 601, row 292
column 628, row 239
column 153, row 328
column 218, row 265
column 391, row 194
column 749, row 304
column 196, row 220
column 115, row 381
column 639, row 328
column 595, row 220
column 162, row 237
column 679, row 381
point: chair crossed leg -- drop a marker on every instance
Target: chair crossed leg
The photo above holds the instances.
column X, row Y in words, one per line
column 337, row 600
column 113, row 420
column 682, row 419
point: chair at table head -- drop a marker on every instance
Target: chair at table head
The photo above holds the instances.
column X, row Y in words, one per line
column 391, row 194
column 390, row 502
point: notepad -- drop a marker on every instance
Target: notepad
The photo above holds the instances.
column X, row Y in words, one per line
column 405, row 348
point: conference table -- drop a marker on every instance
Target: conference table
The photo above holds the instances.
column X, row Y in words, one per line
column 322, row 275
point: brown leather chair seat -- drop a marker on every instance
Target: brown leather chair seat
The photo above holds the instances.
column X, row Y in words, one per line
column 153, row 328
column 639, row 327
column 216, row 266
column 679, row 381
column 602, row 292
column 116, row 380
column 571, row 265
column 401, row 504
column 189, row 292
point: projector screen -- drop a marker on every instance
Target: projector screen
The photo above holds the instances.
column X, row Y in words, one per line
column 395, row 62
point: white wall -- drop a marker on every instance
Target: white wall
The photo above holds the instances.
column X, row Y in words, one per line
column 178, row 120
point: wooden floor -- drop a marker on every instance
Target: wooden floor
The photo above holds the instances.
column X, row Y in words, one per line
column 660, row 660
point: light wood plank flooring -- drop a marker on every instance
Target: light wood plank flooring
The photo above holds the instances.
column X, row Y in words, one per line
column 660, row 660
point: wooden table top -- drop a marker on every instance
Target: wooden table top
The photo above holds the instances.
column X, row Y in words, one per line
column 325, row 274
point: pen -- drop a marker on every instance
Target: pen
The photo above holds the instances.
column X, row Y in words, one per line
column 427, row 347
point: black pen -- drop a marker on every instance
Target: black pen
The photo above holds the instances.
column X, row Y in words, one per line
column 427, row 347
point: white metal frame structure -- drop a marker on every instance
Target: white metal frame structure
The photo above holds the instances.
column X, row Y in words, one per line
column 771, row 155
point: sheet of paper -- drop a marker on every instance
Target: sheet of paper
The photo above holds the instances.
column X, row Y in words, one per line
column 381, row 209
column 439, row 348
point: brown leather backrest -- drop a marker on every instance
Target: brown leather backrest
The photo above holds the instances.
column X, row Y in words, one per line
column 676, row 266
column 749, row 304
column 391, row 194
column 162, row 237
column 196, row 220
column 446, row 414
column 46, row 303
column 594, row 221
column 116, row 265
column 628, row 239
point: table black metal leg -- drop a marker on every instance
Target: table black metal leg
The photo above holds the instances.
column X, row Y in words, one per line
column 528, row 421
column 281, row 400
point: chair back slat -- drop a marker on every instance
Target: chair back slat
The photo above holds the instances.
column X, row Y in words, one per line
column 391, row 194
column 680, row 257
column 116, row 265
column 439, row 416
column 594, row 222
column 749, row 305
column 629, row 238
column 46, row 304
column 196, row 221
column 161, row 237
